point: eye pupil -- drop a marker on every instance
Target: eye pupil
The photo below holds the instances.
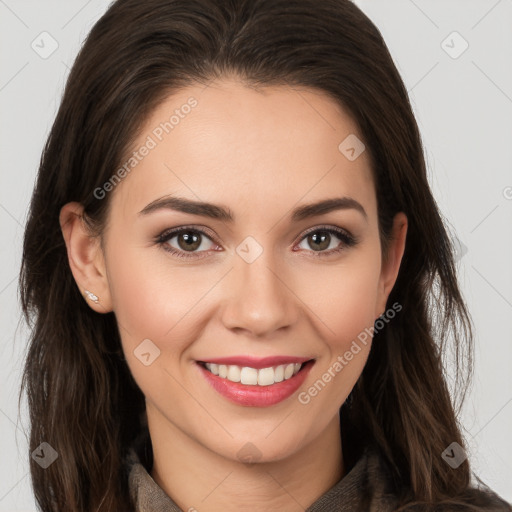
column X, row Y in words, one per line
column 191, row 240
column 323, row 237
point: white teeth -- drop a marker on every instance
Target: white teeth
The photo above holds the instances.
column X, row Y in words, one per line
column 266, row 376
column 234, row 373
column 288, row 371
column 248, row 375
column 252, row 376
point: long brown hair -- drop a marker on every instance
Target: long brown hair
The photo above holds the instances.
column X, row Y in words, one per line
column 82, row 398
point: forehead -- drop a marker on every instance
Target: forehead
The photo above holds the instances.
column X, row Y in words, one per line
column 249, row 148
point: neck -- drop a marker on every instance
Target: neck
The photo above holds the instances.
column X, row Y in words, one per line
column 197, row 478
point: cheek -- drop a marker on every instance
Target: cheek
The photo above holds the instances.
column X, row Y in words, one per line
column 153, row 304
column 346, row 306
column 343, row 296
column 147, row 301
column 155, row 299
column 150, row 292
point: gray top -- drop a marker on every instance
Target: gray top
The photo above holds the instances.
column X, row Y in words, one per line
column 365, row 488
column 362, row 488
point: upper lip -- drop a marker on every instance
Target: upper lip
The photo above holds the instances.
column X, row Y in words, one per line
column 257, row 362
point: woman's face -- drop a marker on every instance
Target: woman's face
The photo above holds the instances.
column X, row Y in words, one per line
column 261, row 284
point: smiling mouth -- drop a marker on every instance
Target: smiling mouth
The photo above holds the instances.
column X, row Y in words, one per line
column 255, row 377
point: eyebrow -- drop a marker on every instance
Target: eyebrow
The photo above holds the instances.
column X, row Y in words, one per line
column 214, row 211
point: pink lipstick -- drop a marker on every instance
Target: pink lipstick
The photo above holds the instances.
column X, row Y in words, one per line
column 256, row 382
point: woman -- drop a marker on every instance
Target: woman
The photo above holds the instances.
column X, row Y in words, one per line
column 240, row 281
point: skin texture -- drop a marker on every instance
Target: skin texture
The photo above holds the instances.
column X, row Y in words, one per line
column 259, row 153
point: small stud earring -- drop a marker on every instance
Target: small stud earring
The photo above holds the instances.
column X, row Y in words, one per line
column 91, row 296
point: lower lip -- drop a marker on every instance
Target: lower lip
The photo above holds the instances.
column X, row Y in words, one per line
column 257, row 396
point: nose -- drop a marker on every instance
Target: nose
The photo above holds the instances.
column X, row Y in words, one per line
column 260, row 300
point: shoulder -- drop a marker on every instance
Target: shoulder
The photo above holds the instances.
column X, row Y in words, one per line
column 368, row 486
column 481, row 499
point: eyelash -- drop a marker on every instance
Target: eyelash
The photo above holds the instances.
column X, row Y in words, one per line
column 347, row 239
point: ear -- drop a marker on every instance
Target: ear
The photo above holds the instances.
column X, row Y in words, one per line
column 391, row 262
column 85, row 258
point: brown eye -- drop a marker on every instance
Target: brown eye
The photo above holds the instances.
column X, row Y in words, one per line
column 189, row 241
column 319, row 240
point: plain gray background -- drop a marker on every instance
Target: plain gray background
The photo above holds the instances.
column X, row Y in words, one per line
column 463, row 103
